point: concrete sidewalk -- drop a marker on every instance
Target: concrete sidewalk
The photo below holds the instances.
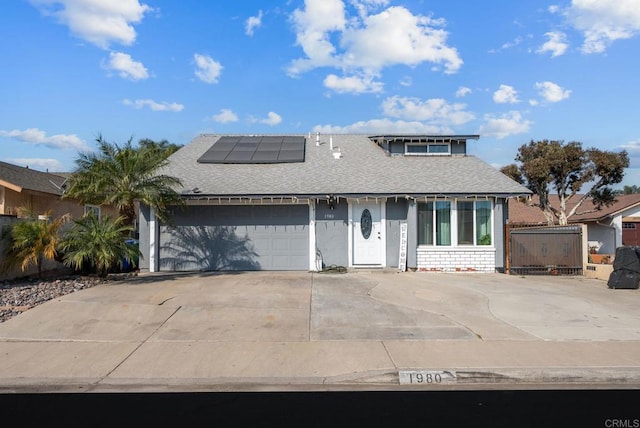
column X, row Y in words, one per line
column 302, row 331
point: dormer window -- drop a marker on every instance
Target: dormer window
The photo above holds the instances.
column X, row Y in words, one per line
column 427, row 149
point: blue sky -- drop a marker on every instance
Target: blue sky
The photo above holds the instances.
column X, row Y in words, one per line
column 511, row 71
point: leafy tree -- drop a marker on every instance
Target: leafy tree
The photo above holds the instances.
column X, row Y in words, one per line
column 98, row 243
column 629, row 190
column 120, row 175
column 565, row 168
column 163, row 146
column 30, row 242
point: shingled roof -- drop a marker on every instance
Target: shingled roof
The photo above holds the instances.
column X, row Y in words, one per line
column 363, row 169
column 19, row 178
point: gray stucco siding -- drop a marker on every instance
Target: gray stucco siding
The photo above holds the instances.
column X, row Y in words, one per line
column 144, row 237
column 236, row 237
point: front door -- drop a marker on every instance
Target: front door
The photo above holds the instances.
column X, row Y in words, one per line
column 367, row 234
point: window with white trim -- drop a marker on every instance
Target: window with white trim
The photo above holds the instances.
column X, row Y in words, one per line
column 426, row 149
column 95, row 209
column 455, row 223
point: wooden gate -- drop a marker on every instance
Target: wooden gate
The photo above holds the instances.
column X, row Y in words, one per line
column 555, row 250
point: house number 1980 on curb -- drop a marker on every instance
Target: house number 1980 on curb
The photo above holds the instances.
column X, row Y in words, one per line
column 426, row 377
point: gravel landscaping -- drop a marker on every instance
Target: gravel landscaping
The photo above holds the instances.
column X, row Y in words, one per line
column 17, row 296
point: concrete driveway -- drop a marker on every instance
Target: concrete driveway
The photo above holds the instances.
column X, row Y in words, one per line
column 271, row 328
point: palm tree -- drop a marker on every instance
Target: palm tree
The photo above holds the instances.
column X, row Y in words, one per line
column 98, row 243
column 119, row 176
column 31, row 241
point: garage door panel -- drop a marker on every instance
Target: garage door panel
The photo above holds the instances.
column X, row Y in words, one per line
column 260, row 237
column 280, row 244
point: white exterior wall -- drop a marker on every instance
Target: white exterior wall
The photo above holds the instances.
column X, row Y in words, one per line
column 605, row 234
column 471, row 259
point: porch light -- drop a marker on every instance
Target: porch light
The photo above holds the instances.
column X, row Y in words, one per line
column 331, row 201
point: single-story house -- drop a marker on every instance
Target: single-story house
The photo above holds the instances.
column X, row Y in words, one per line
column 40, row 191
column 307, row 202
column 607, row 228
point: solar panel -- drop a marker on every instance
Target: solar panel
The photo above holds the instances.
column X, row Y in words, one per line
column 264, row 157
column 245, row 147
column 269, row 147
column 272, row 139
column 239, row 157
column 290, row 146
column 255, row 149
column 291, row 156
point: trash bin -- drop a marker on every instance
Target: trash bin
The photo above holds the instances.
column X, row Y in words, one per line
column 626, row 269
column 127, row 265
column 624, row 279
column 627, row 258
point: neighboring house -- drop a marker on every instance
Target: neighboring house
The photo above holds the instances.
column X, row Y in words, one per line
column 607, row 228
column 304, row 202
column 40, row 191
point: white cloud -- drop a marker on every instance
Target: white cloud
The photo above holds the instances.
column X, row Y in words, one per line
column 551, row 92
column 463, row 91
column 368, row 42
column 508, row 45
column 604, row 21
column 435, row 110
column 100, row 22
column 153, row 105
column 272, row 119
column 313, row 27
column 506, row 95
column 406, row 81
column 126, row 67
column 383, row 126
column 364, row 7
column 207, row 69
column 553, row 8
column 353, row 84
column 225, row 116
column 38, row 163
column 631, row 146
column 39, row 138
column 556, row 44
column 633, row 149
column 396, row 36
column 252, row 23
column 504, row 125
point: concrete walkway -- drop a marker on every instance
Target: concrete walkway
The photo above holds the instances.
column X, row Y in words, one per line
column 303, row 331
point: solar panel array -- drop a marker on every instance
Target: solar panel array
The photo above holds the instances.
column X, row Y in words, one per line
column 255, row 149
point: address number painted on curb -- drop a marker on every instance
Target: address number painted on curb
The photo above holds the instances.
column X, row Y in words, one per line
column 426, row 377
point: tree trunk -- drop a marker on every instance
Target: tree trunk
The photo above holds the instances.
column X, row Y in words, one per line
column 562, row 219
column 549, row 216
column 129, row 214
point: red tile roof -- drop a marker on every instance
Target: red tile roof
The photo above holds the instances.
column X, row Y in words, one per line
column 523, row 213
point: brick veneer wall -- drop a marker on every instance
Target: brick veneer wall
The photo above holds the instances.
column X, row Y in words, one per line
column 472, row 259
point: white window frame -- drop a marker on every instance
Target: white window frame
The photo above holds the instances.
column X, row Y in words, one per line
column 427, row 145
column 454, row 224
column 93, row 208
